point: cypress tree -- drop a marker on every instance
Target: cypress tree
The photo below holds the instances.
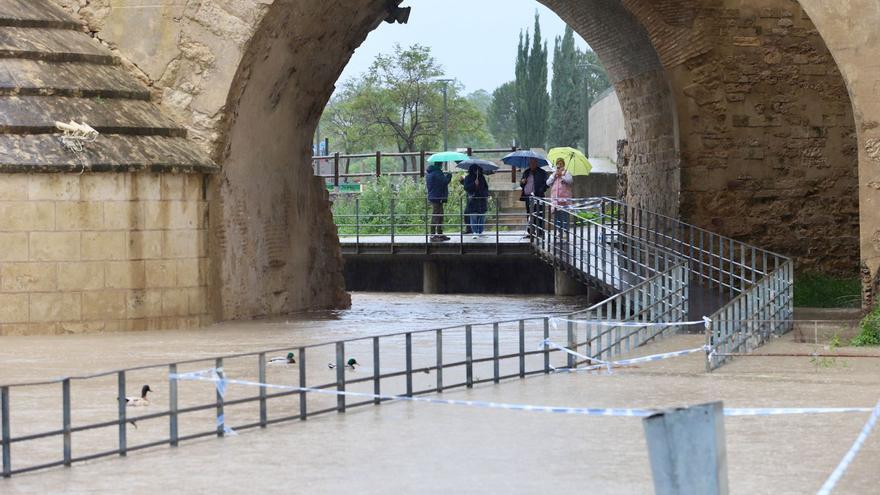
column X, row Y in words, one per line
column 567, row 114
column 532, row 100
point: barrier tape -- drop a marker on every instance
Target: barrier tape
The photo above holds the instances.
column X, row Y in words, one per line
column 210, row 375
column 841, row 468
column 634, row 324
column 624, row 362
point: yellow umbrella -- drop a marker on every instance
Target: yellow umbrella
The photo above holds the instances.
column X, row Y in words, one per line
column 575, row 161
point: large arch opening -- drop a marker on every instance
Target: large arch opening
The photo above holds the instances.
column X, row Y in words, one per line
column 737, row 119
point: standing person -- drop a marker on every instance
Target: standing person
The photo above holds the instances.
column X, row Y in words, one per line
column 477, row 188
column 560, row 183
column 534, row 185
column 437, row 185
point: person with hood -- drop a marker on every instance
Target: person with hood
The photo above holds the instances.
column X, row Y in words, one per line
column 437, row 184
column 477, row 188
column 534, row 185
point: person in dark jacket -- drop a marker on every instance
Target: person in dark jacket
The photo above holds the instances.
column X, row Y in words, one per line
column 534, row 185
column 437, row 184
column 477, row 188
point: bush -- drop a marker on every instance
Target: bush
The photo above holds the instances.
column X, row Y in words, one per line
column 870, row 330
column 814, row 290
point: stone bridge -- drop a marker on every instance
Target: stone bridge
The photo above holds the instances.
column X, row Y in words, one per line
column 758, row 119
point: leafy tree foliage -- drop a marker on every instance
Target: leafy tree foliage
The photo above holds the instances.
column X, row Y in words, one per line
column 502, row 114
column 532, row 100
column 567, row 109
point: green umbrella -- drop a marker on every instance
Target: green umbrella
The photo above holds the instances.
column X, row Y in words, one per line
column 448, row 156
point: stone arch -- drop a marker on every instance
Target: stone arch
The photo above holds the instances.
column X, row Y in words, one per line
column 738, row 119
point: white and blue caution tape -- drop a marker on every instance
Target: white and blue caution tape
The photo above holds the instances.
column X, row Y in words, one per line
column 627, row 324
column 209, row 376
column 624, row 362
column 841, row 468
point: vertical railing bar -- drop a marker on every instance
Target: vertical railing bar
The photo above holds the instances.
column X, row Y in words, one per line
column 377, row 371
column 340, row 376
column 65, row 419
column 439, row 344
column 572, row 344
column 469, row 356
column 221, row 418
column 120, row 405
column 5, row 445
column 173, row 433
column 301, row 357
column 409, row 365
column 496, row 371
column 546, row 349
column 522, row 348
column 261, row 370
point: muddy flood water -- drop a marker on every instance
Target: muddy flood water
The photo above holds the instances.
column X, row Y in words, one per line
column 427, row 448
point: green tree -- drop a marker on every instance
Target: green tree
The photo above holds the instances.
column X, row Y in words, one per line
column 567, row 109
column 532, row 100
column 481, row 100
column 502, row 114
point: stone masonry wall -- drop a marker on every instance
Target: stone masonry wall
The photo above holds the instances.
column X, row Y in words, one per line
column 102, row 252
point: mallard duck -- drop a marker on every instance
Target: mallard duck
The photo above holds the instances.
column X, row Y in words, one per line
column 139, row 401
column 351, row 363
column 283, row 360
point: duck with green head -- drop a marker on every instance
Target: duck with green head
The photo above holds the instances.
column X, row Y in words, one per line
column 351, row 363
column 283, row 360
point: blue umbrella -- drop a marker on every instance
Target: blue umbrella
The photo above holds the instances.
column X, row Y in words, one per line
column 520, row 159
column 447, row 156
column 487, row 166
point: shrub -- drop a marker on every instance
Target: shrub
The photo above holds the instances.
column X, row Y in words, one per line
column 869, row 330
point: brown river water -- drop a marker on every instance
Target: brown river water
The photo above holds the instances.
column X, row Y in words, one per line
column 428, row 448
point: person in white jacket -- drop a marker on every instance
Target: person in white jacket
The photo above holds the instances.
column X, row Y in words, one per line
column 560, row 184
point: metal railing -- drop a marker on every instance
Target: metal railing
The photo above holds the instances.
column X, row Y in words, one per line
column 417, row 158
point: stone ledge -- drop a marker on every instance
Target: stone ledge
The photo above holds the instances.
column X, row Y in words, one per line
column 110, row 153
column 35, row 13
column 40, row 78
column 55, row 45
column 38, row 114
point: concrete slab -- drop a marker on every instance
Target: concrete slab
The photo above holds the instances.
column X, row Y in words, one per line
column 35, row 13
column 41, row 78
column 58, row 45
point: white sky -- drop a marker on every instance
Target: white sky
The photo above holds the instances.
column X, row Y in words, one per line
column 474, row 40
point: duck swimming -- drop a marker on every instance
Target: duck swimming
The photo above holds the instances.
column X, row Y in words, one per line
column 139, row 401
column 283, row 360
column 351, row 363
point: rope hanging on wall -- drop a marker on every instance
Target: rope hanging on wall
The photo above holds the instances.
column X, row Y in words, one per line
column 74, row 136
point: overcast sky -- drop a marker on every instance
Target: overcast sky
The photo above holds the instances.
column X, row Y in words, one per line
column 474, row 40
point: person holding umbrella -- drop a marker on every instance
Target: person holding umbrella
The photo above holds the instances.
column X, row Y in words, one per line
column 534, row 184
column 477, row 188
column 437, row 185
column 560, row 183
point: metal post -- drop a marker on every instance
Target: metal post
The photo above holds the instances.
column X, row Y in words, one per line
column 469, row 356
column 546, row 349
column 65, row 418
column 512, row 168
column 572, row 345
column 336, row 169
column 422, row 163
column 172, row 405
column 495, row 365
column 303, row 412
column 377, row 372
column 120, row 391
column 4, row 432
column 409, row 365
column 439, row 344
column 340, row 376
column 522, row 348
column 264, row 413
column 687, row 450
column 392, row 225
column 378, row 164
column 221, row 418
column 357, row 223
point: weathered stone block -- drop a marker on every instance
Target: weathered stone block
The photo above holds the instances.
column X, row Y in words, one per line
column 173, row 186
column 145, row 244
column 27, row 215
column 14, row 187
column 184, row 244
column 13, row 246
column 26, row 277
column 56, row 187
column 145, row 186
column 189, row 272
column 55, row 307
column 125, row 274
column 104, row 187
column 144, row 303
column 54, row 246
column 171, row 215
column 79, row 215
column 104, row 305
column 123, row 215
column 104, row 245
column 80, row 276
column 14, row 308
column 161, row 273
column 175, row 302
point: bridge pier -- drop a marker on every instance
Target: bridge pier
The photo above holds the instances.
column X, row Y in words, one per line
column 565, row 285
column 432, row 280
